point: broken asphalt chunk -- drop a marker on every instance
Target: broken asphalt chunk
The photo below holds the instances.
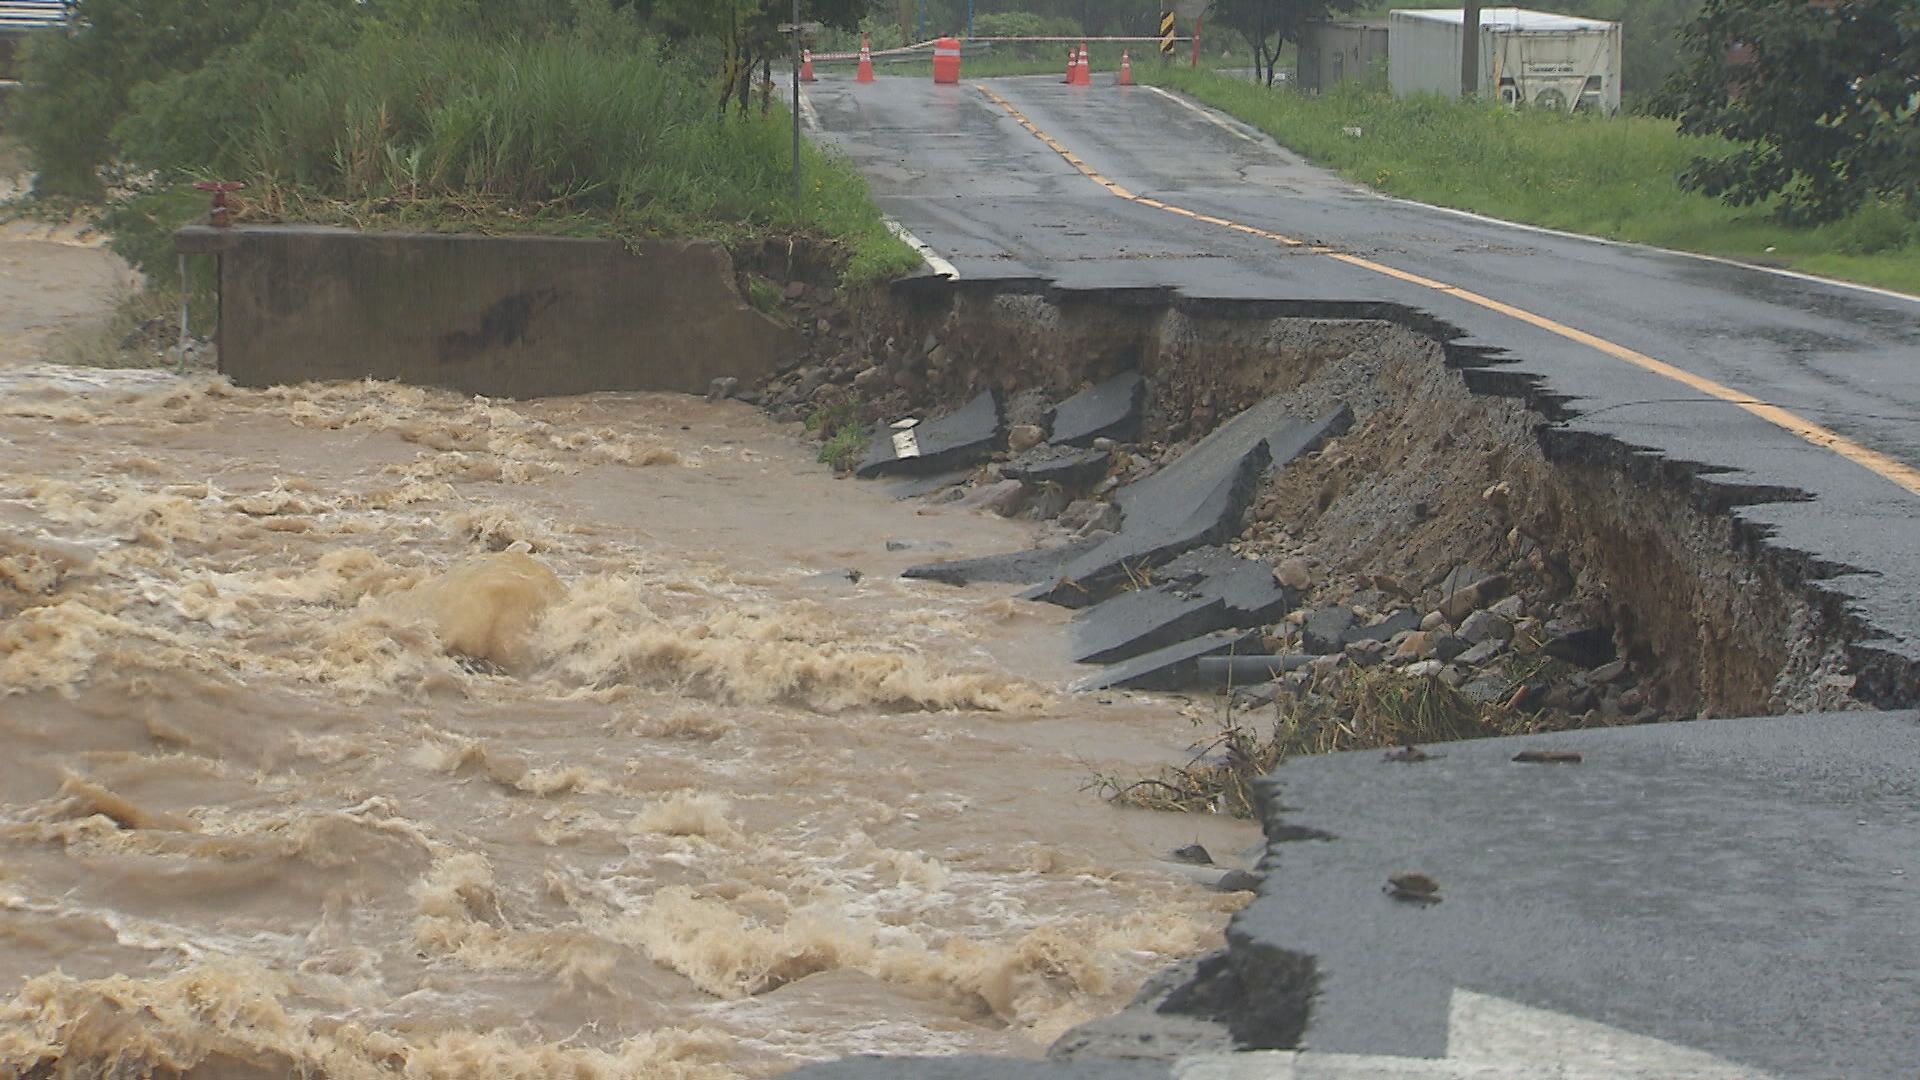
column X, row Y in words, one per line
column 1169, row 668
column 1109, row 410
column 1325, row 631
column 1198, row 499
column 1142, row 621
column 1403, row 620
column 969, row 434
column 1199, row 592
column 1587, row 647
column 1017, row 567
column 1070, row 468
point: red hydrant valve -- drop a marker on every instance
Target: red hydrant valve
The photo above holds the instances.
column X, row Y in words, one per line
column 220, row 216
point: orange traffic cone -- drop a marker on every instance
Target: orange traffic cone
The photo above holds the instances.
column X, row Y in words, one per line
column 806, row 66
column 865, row 74
column 1083, row 75
column 1126, row 69
column 1072, row 63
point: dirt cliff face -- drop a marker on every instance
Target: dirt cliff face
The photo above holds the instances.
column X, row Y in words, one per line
column 1451, row 463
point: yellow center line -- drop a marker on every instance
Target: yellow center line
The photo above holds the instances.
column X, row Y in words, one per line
column 1899, row 472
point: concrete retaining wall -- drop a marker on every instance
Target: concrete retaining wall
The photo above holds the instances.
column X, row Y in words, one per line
column 501, row 316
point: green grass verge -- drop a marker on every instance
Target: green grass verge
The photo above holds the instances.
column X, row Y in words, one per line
column 565, row 135
column 557, row 136
column 1608, row 177
column 843, row 432
column 1373, row 708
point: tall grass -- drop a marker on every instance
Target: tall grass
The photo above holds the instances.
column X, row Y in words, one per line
column 1610, row 177
column 556, row 135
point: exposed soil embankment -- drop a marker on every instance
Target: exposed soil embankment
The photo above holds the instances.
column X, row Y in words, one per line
column 1454, row 462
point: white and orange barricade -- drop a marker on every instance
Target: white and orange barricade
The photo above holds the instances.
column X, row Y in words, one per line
column 946, row 60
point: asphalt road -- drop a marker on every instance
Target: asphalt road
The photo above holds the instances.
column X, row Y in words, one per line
column 1725, row 899
column 1733, row 898
column 956, row 167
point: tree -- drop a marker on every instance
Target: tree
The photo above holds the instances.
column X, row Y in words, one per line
column 1652, row 32
column 1820, row 94
column 1269, row 24
column 748, row 29
column 77, row 79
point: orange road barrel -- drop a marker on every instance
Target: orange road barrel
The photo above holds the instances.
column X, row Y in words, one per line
column 946, row 60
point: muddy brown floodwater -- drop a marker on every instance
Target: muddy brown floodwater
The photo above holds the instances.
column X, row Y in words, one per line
column 365, row 731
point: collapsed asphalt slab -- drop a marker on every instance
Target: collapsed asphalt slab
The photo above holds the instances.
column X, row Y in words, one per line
column 1066, row 466
column 1017, row 568
column 1204, row 590
column 1169, row 667
column 1208, row 601
column 1108, row 410
column 1198, row 499
column 963, row 437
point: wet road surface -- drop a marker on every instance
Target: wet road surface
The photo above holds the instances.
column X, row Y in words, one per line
column 962, row 173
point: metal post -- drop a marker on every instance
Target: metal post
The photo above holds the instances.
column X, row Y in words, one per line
column 1198, row 22
column 796, row 101
column 969, row 18
column 185, row 338
column 1470, row 49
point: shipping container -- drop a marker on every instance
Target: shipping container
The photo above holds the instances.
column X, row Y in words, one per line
column 1535, row 58
column 1334, row 51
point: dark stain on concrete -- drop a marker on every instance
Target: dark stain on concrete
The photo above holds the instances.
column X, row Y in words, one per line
column 506, row 322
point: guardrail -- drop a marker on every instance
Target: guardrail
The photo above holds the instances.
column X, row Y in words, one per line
column 904, row 53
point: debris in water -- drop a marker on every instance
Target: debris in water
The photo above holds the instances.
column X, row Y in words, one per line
column 1195, row 854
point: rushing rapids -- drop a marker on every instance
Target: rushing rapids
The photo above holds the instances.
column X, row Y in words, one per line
column 364, row 730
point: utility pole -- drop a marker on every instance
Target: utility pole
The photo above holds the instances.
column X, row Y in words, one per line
column 796, row 101
column 1470, row 49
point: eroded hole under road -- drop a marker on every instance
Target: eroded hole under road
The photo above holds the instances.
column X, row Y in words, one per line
column 1626, row 586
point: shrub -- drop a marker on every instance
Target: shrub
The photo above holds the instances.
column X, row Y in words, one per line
column 78, row 80
column 193, row 120
column 556, row 116
column 1023, row 24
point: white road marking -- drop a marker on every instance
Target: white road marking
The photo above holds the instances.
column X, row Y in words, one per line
column 1489, row 1038
column 1216, row 119
column 1542, row 230
column 934, row 262
column 1720, row 259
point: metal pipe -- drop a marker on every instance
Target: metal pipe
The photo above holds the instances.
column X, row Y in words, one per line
column 184, row 336
column 1248, row 670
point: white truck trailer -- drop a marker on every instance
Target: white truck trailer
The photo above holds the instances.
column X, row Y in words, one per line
column 1534, row 58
